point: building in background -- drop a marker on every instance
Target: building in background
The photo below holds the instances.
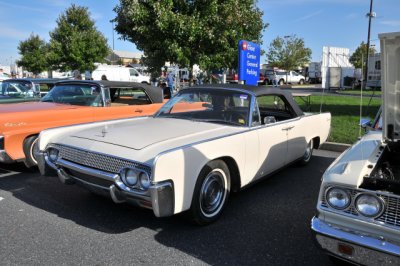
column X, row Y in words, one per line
column 124, row 57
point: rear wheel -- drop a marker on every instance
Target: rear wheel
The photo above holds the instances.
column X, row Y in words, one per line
column 211, row 193
column 30, row 147
column 281, row 82
column 307, row 154
column 301, row 82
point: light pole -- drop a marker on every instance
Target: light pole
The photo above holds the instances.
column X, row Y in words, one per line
column 370, row 15
column 112, row 55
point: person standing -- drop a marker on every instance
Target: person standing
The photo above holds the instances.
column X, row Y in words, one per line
column 275, row 79
column 171, row 82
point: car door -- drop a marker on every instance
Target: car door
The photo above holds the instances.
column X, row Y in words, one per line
column 297, row 143
column 272, row 137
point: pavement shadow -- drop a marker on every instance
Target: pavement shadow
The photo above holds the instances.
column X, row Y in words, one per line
column 77, row 204
column 267, row 223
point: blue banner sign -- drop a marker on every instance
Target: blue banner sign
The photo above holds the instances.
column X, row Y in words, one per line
column 249, row 62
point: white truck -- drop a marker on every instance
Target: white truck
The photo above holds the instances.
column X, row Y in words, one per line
column 119, row 73
column 291, row 76
column 314, row 72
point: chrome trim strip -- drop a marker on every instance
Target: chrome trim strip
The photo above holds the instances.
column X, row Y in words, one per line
column 86, row 170
column 320, row 227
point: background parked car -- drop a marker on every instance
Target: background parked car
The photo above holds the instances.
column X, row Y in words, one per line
column 71, row 102
column 24, row 90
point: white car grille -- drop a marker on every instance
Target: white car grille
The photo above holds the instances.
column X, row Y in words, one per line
column 97, row 160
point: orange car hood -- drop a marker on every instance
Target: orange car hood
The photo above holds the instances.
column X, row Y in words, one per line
column 34, row 106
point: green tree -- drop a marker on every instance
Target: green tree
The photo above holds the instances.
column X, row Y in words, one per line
column 361, row 53
column 75, row 43
column 33, row 53
column 189, row 32
column 288, row 53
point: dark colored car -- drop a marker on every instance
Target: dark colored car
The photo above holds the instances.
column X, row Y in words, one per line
column 24, row 90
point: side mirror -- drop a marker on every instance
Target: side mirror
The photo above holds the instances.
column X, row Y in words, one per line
column 365, row 123
column 269, row 120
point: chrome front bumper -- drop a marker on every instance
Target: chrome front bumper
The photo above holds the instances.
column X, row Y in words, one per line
column 159, row 197
column 367, row 250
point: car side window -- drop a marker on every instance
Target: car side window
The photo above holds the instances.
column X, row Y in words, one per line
column 274, row 106
column 133, row 72
column 130, row 96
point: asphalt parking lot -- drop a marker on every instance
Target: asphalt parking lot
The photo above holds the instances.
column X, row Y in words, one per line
column 47, row 223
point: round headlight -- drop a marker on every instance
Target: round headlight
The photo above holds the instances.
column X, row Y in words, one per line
column 338, row 198
column 53, row 154
column 130, row 176
column 369, row 205
column 144, row 180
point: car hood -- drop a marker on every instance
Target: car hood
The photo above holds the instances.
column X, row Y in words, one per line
column 352, row 165
column 34, row 106
column 390, row 57
column 147, row 132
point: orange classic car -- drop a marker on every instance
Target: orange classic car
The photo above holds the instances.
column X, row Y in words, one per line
column 71, row 102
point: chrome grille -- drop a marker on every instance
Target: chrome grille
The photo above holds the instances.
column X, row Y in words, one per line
column 392, row 212
column 352, row 210
column 97, row 160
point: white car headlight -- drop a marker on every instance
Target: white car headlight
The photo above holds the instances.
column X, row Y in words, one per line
column 337, row 198
column 144, row 180
column 369, row 205
column 53, row 154
column 129, row 176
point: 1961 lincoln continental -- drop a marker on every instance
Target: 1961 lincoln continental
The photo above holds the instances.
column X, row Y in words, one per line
column 71, row 102
column 358, row 216
column 204, row 143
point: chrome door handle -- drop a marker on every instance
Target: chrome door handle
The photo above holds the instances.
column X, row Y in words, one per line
column 288, row 128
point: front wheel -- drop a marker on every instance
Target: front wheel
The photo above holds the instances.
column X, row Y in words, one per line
column 211, row 193
column 301, row 82
column 30, row 148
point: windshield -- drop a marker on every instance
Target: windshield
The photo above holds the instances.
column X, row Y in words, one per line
column 16, row 89
column 75, row 94
column 209, row 105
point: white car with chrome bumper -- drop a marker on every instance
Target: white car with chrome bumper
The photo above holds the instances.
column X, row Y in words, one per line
column 204, row 143
column 358, row 218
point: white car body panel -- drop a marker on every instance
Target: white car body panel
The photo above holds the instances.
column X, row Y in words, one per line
column 191, row 145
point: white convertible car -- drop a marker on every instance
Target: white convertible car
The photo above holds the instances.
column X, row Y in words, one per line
column 204, row 143
column 358, row 217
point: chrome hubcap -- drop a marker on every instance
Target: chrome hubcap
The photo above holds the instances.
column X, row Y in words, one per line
column 34, row 148
column 308, row 151
column 213, row 193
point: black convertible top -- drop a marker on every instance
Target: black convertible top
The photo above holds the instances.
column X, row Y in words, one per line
column 257, row 91
column 155, row 93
